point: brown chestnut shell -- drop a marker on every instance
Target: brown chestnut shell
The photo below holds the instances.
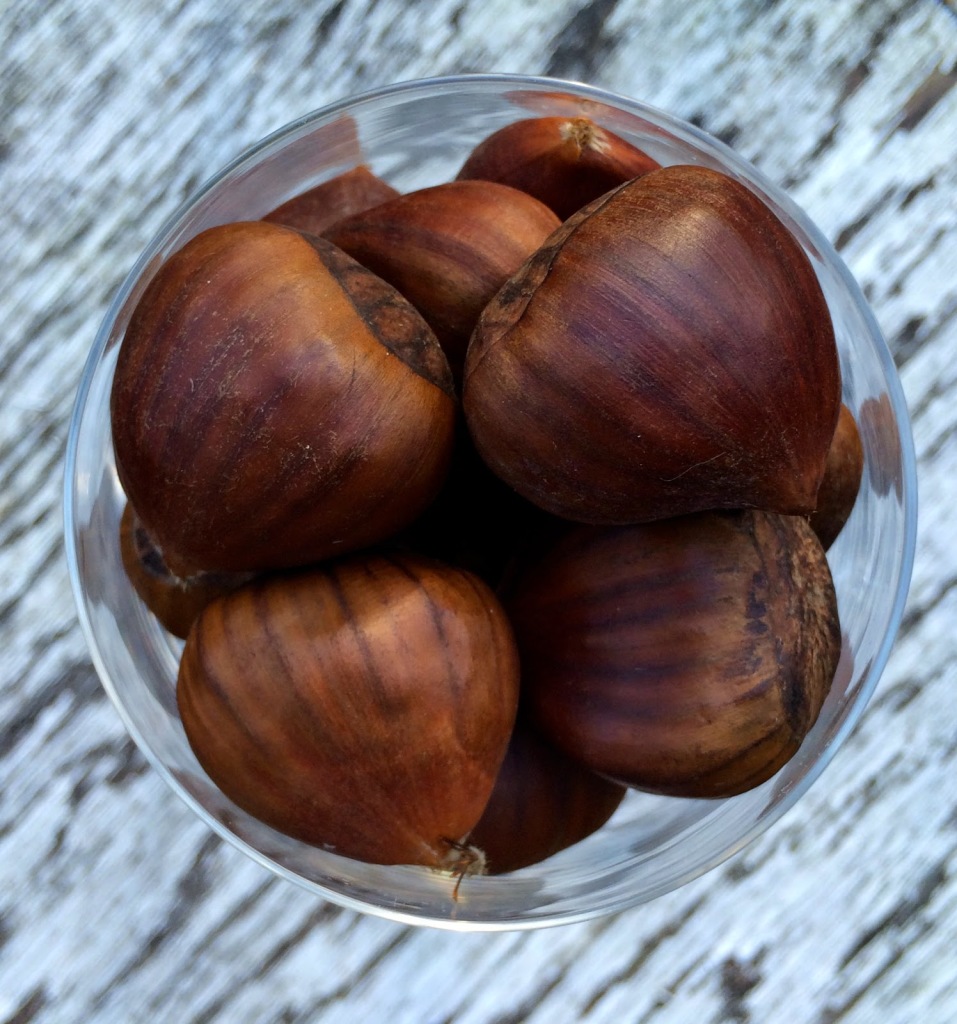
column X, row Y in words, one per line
column 364, row 707
column 880, row 432
column 668, row 350
column 689, row 657
column 318, row 208
column 839, row 488
column 476, row 521
column 448, row 249
column 543, row 802
column 565, row 162
column 175, row 602
column 274, row 403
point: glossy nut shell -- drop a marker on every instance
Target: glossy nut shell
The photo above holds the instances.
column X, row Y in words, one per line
column 318, row 208
column 364, row 708
column 689, row 657
column 274, row 403
column 565, row 162
column 448, row 249
column 668, row 350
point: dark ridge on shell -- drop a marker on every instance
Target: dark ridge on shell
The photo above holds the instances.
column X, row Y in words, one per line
column 382, row 307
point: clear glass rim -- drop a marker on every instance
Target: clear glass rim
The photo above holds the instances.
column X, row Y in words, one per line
column 581, row 91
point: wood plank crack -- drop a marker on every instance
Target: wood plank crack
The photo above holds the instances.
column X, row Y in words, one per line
column 192, row 886
column 315, row 1011
column 902, row 913
column 583, row 44
column 79, row 680
column 31, row 1006
column 644, row 953
column 925, row 97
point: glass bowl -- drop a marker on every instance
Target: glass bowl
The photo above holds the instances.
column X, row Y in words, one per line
column 417, row 134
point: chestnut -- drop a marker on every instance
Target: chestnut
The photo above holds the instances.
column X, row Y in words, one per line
column 689, row 656
column 565, row 162
column 668, row 350
column 543, row 802
column 320, row 207
column 175, row 602
column 448, row 249
column 843, row 472
column 364, row 706
column 476, row 521
column 274, row 403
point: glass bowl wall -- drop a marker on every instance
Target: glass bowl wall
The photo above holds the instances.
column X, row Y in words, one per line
column 417, row 134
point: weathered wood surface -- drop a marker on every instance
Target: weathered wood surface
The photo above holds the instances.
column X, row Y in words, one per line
column 116, row 904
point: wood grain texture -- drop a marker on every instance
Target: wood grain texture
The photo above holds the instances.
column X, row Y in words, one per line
column 116, row 903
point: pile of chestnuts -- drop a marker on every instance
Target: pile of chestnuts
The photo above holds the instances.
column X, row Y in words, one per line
column 477, row 505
